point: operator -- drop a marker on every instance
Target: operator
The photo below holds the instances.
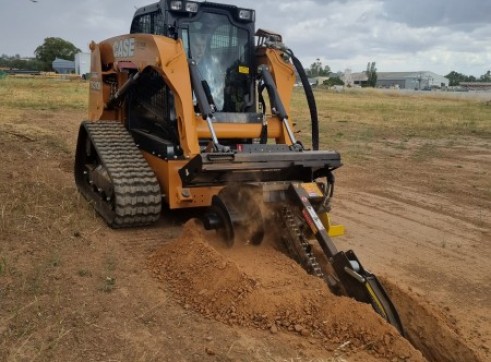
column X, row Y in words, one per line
column 198, row 47
column 209, row 65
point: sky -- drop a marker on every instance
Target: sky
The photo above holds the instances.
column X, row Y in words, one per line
column 399, row 35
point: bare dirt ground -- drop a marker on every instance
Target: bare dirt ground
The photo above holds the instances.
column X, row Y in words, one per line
column 72, row 289
column 433, row 247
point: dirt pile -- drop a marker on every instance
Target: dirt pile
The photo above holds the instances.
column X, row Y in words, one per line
column 260, row 287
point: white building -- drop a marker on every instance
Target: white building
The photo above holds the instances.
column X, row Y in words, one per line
column 421, row 80
column 82, row 63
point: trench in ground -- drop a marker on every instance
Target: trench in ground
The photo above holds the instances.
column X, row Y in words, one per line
column 251, row 286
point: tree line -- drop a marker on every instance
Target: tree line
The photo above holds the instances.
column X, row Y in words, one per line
column 456, row 78
column 51, row 49
column 317, row 69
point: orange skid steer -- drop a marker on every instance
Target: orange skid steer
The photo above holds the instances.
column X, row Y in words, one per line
column 191, row 110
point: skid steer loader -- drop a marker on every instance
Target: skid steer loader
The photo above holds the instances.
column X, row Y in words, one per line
column 191, row 110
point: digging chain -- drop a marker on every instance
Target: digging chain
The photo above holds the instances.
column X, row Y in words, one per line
column 298, row 247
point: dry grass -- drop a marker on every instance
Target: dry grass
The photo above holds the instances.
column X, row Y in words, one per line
column 36, row 194
column 43, row 93
column 41, row 214
column 360, row 117
column 434, row 142
column 46, row 255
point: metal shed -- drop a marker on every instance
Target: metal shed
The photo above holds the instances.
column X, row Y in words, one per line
column 63, row 66
column 419, row 80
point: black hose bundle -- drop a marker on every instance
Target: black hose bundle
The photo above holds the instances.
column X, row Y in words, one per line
column 309, row 94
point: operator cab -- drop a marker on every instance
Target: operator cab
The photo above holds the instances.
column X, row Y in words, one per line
column 218, row 37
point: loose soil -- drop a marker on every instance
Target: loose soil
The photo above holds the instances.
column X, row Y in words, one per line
column 72, row 289
column 263, row 288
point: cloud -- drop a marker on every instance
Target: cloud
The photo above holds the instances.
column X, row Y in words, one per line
column 437, row 35
column 449, row 13
column 440, row 35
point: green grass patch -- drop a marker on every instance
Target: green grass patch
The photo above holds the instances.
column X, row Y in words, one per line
column 43, row 94
column 353, row 120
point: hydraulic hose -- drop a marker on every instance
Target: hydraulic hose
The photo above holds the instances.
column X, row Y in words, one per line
column 309, row 94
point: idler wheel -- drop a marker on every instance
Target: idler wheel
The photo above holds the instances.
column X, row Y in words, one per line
column 236, row 212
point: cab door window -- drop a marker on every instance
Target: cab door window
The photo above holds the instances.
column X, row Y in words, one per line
column 151, row 23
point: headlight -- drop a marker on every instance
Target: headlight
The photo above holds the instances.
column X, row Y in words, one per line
column 187, row 6
column 191, row 7
column 176, row 5
column 246, row 15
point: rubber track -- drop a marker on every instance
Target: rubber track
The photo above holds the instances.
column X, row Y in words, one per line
column 137, row 193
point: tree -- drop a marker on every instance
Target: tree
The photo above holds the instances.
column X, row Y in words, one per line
column 333, row 81
column 315, row 68
column 326, row 71
column 16, row 62
column 456, row 78
column 371, row 74
column 318, row 70
column 485, row 77
column 53, row 48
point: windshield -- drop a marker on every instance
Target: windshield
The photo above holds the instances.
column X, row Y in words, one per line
column 221, row 52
